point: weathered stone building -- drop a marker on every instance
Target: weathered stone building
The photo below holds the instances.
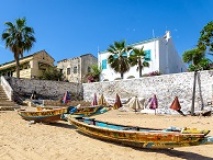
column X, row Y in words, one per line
column 31, row 66
column 76, row 69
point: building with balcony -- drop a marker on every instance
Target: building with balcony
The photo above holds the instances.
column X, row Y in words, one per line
column 31, row 66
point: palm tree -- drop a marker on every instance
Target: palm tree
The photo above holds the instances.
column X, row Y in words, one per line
column 138, row 58
column 118, row 59
column 18, row 38
column 205, row 42
column 196, row 59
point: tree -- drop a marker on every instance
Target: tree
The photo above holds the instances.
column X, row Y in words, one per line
column 18, row 38
column 138, row 58
column 205, row 42
column 94, row 75
column 52, row 73
column 118, row 59
column 196, row 59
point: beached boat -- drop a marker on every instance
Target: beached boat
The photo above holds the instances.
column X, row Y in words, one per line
column 45, row 116
column 85, row 111
column 171, row 137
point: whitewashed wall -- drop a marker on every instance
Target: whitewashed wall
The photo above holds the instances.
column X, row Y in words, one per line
column 166, row 87
column 164, row 59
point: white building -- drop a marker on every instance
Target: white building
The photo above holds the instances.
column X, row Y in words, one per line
column 160, row 53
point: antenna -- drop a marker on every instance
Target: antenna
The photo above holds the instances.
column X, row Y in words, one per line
column 153, row 33
column 98, row 50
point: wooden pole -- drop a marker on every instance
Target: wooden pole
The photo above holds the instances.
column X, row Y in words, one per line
column 193, row 94
column 200, row 91
column 212, row 95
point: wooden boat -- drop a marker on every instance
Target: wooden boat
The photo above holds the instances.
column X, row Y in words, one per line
column 45, row 116
column 141, row 137
column 85, row 111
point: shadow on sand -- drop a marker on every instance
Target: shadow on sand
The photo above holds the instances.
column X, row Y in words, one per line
column 180, row 154
column 186, row 155
column 62, row 125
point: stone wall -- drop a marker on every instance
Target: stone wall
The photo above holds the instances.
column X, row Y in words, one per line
column 45, row 89
column 166, row 87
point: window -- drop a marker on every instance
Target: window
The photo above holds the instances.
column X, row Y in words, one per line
column 148, row 55
column 131, row 53
column 89, row 69
column 75, row 69
column 115, row 56
column 104, row 64
column 68, row 71
column 130, row 77
column 124, row 54
column 61, row 70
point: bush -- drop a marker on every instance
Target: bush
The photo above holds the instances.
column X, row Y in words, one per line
column 154, row 73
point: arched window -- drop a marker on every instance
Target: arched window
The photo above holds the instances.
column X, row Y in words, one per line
column 130, row 77
column 118, row 78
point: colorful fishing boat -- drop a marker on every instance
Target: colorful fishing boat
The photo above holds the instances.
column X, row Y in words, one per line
column 171, row 137
column 85, row 111
column 45, row 116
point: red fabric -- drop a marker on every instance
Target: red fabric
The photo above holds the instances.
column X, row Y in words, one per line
column 175, row 104
column 154, row 102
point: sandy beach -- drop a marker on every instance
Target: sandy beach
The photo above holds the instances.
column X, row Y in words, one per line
column 20, row 140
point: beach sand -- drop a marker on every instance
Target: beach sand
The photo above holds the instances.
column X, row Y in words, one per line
column 20, row 140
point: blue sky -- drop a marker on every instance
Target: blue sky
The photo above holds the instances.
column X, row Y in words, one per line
column 70, row 28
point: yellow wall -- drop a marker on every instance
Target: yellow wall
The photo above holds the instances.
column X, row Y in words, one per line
column 33, row 71
column 26, row 73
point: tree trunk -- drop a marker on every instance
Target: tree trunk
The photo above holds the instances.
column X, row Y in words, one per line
column 193, row 94
column 140, row 68
column 122, row 75
column 16, row 56
column 140, row 71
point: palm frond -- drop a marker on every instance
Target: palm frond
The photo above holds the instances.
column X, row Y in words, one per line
column 145, row 64
column 117, row 60
column 18, row 37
